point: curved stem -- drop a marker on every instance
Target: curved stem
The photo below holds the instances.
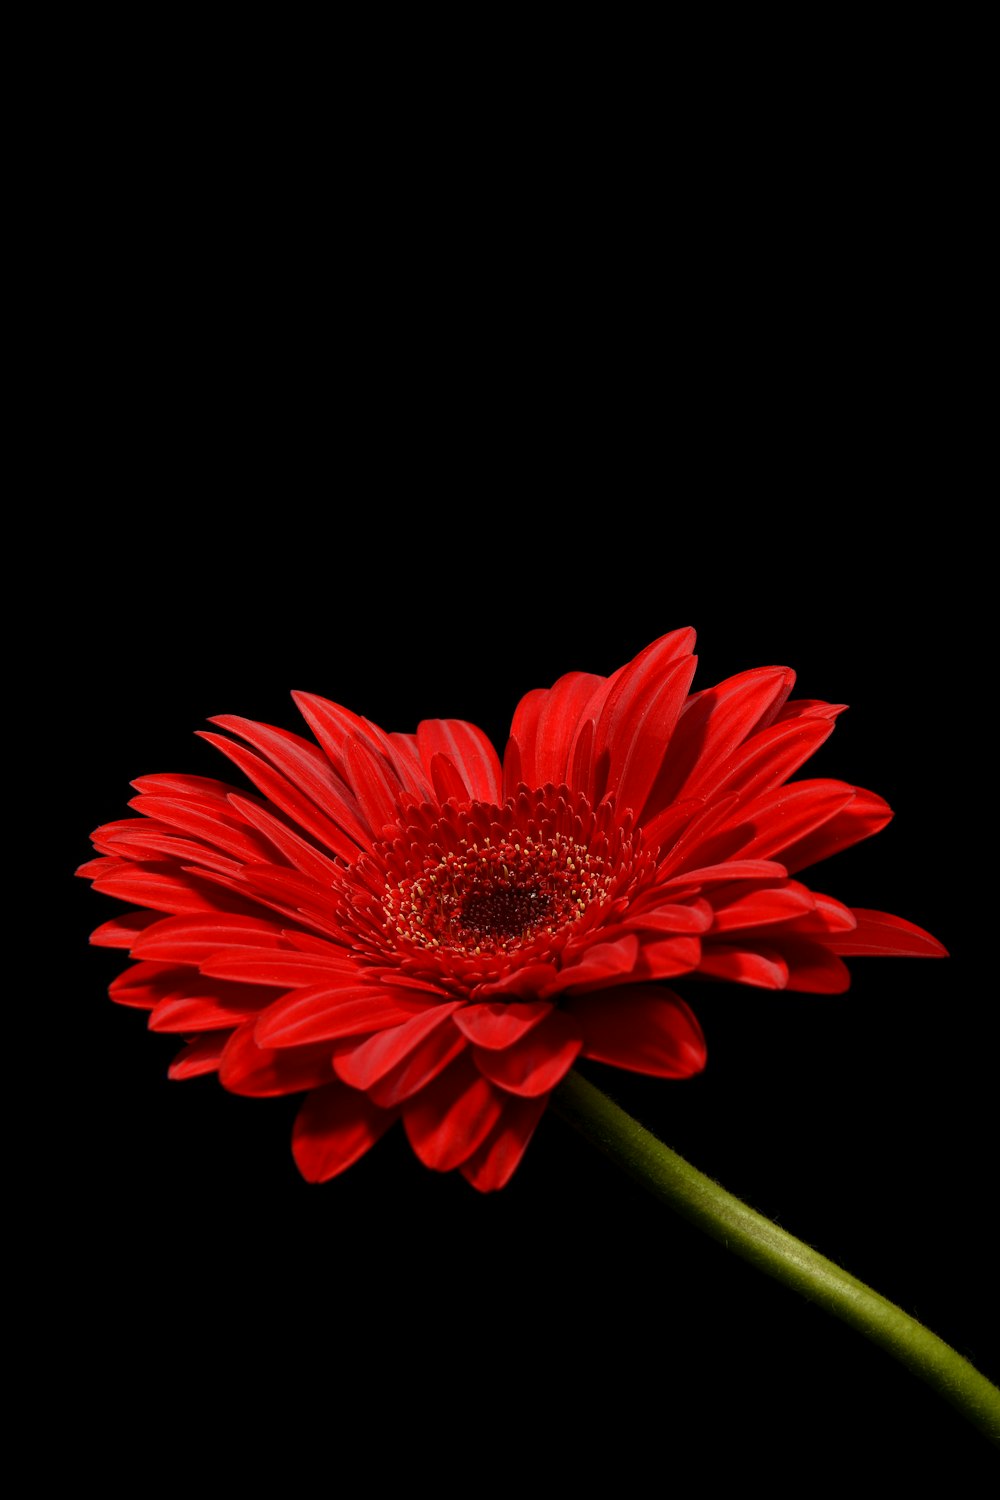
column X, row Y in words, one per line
column 777, row 1253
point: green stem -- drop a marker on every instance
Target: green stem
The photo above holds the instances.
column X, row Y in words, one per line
column 777, row 1253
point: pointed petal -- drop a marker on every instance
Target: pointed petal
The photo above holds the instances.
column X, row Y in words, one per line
column 344, row 840
column 216, row 825
column 866, row 814
column 879, row 933
column 772, row 756
column 643, row 733
column 299, row 762
column 297, row 850
column 337, row 727
column 775, row 824
column 634, row 690
column 148, row 840
column 713, row 724
column 642, row 1027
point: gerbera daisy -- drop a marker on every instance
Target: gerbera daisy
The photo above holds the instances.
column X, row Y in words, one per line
column 403, row 927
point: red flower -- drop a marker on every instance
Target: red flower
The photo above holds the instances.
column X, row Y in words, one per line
column 403, row 927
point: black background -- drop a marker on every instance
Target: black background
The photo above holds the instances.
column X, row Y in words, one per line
column 421, row 495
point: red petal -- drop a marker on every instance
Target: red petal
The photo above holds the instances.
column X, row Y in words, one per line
column 297, row 850
column 642, row 1027
column 524, row 734
column 375, row 785
column 496, row 1024
column 766, row 969
column 536, row 1063
column 760, row 908
column 492, row 1165
column 330, row 1011
column 216, row 826
column 337, row 727
column 865, row 815
column 121, row 932
column 189, row 939
column 333, row 1129
column 643, row 733
column 203, row 1010
column 713, row 724
column 200, row 1056
column 447, row 779
column 522, row 984
column 344, row 840
column 262, row 1073
column 696, row 917
column 879, row 933
column 722, row 874
column 203, row 791
column 147, row 840
column 779, row 820
column 451, row 1118
column 94, row 868
column 425, row 1063
column 636, row 690
column 469, row 751
column 828, row 916
column 556, row 725
column 813, row 969
column 145, row 985
column 166, row 889
column 287, row 969
column 772, row 756
column 667, row 957
column 600, row 962
column 372, row 1059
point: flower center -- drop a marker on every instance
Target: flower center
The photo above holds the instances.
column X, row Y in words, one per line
column 496, row 897
column 462, row 893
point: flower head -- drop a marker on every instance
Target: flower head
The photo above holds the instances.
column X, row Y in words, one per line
column 403, row 927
